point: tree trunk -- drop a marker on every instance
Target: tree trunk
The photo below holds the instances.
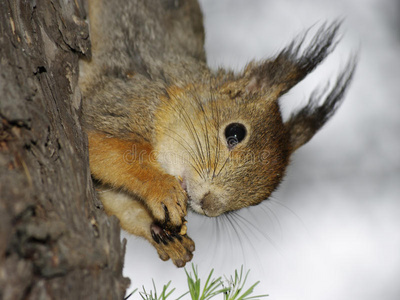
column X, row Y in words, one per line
column 55, row 240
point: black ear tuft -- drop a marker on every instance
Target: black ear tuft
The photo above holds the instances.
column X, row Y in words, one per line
column 304, row 123
column 294, row 62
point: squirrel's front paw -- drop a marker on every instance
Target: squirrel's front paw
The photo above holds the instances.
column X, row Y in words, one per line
column 167, row 202
column 179, row 247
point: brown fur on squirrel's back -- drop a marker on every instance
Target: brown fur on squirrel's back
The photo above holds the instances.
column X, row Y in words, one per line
column 150, row 44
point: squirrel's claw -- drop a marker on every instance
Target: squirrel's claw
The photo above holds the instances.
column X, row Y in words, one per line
column 172, row 245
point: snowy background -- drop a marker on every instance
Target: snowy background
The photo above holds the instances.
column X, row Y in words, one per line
column 332, row 231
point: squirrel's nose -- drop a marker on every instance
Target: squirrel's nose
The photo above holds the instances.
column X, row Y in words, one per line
column 210, row 205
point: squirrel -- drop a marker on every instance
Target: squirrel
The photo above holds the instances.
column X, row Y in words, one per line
column 167, row 133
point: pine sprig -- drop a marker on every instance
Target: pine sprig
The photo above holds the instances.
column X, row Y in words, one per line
column 235, row 289
column 211, row 288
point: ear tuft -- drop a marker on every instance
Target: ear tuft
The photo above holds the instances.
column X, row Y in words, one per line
column 304, row 123
column 293, row 63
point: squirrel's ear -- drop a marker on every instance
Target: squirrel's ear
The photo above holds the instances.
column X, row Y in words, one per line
column 276, row 76
column 292, row 64
column 305, row 122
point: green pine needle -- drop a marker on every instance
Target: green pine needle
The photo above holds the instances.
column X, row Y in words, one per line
column 237, row 286
column 163, row 296
column 211, row 288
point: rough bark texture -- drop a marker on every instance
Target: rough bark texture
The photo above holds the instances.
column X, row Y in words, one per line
column 55, row 240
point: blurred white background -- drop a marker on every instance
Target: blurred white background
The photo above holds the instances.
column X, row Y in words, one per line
column 332, row 230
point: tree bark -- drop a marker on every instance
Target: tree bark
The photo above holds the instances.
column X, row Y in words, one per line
column 55, row 240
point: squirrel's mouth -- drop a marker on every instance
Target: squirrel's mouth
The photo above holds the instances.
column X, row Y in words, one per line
column 182, row 181
column 192, row 203
column 200, row 198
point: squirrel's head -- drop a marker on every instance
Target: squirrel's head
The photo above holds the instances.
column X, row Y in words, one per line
column 225, row 137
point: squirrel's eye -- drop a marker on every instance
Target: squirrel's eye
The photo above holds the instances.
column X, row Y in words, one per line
column 234, row 134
